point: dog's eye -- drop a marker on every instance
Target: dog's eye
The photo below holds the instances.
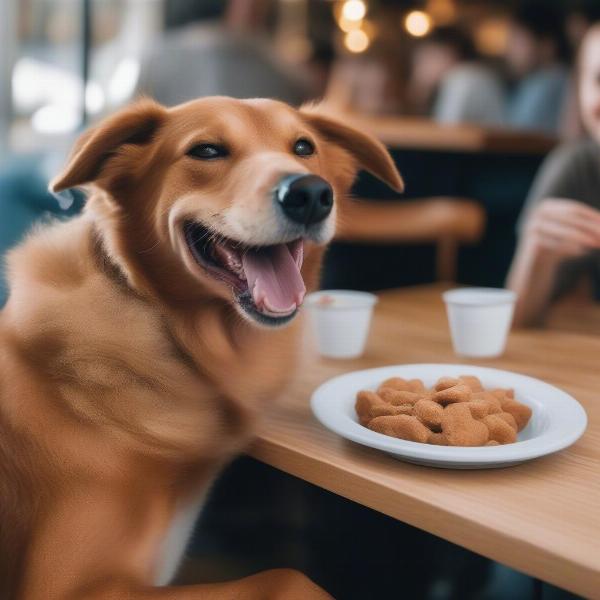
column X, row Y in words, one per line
column 304, row 147
column 207, row 151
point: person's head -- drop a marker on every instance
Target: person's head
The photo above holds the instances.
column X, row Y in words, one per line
column 439, row 51
column 536, row 38
column 589, row 81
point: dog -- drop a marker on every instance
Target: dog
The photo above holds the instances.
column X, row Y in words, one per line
column 142, row 340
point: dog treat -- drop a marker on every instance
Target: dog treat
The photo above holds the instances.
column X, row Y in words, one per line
column 446, row 382
column 438, row 439
column 369, row 405
column 416, row 385
column 461, row 429
column 520, row 412
column 473, row 382
column 429, row 413
column 398, row 397
column 457, row 411
column 404, row 427
column 499, row 430
column 509, row 419
column 396, row 383
column 490, row 400
column 479, row 409
column 457, row 393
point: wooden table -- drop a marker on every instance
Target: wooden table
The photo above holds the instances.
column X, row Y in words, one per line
column 542, row 517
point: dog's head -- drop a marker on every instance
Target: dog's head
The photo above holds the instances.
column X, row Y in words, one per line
column 227, row 197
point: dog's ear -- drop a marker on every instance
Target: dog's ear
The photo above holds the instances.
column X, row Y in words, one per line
column 369, row 153
column 134, row 124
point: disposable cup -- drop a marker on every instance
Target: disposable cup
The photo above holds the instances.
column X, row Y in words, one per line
column 479, row 319
column 340, row 321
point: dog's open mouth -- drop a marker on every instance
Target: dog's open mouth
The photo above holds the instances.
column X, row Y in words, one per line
column 266, row 279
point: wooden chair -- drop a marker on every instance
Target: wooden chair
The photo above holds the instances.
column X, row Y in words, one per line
column 446, row 222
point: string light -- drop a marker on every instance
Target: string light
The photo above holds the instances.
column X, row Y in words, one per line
column 347, row 25
column 354, row 10
column 356, row 41
column 417, row 23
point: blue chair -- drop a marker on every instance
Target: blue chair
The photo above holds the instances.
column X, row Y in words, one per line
column 24, row 201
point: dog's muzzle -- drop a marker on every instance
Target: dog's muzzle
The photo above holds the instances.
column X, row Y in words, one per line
column 304, row 199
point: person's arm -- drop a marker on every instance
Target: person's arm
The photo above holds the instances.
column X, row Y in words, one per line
column 557, row 230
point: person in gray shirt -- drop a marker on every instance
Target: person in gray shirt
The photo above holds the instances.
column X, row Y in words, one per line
column 560, row 226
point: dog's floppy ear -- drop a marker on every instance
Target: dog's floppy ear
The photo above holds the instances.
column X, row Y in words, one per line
column 134, row 124
column 369, row 153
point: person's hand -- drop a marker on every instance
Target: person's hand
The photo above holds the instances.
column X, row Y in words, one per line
column 563, row 228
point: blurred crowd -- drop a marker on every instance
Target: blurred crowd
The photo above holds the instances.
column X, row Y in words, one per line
column 529, row 81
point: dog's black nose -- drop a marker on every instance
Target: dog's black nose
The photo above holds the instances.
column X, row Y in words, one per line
column 305, row 199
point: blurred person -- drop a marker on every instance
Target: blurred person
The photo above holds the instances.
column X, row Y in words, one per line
column 581, row 15
column 559, row 248
column 451, row 83
column 371, row 82
column 220, row 53
column 536, row 56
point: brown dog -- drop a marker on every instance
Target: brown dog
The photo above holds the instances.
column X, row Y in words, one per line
column 140, row 341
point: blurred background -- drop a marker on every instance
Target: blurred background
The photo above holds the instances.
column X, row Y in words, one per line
column 474, row 92
column 469, row 95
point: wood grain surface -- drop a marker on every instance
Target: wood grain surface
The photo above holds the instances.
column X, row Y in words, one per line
column 541, row 517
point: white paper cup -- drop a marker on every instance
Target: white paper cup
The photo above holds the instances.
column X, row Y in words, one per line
column 480, row 319
column 340, row 321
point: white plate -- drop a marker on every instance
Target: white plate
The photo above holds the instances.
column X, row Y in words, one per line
column 558, row 420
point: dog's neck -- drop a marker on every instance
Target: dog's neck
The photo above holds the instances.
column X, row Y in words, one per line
column 212, row 336
column 244, row 366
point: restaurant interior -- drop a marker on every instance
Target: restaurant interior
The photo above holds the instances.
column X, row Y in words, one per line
column 490, row 110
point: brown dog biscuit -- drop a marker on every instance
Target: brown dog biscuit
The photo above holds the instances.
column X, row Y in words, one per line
column 520, row 412
column 456, row 393
column 365, row 402
column 509, row 419
column 388, row 410
column 429, row 413
column 461, row 429
column 416, row 385
column 478, row 408
column 444, row 383
column 369, row 405
column 395, row 383
column 397, row 397
column 438, row 439
column 473, row 382
column 502, row 393
column 401, row 426
column 493, row 403
column 500, row 430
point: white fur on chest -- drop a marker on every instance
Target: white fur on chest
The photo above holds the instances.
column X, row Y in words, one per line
column 177, row 537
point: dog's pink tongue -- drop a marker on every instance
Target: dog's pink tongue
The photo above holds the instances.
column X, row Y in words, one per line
column 274, row 279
